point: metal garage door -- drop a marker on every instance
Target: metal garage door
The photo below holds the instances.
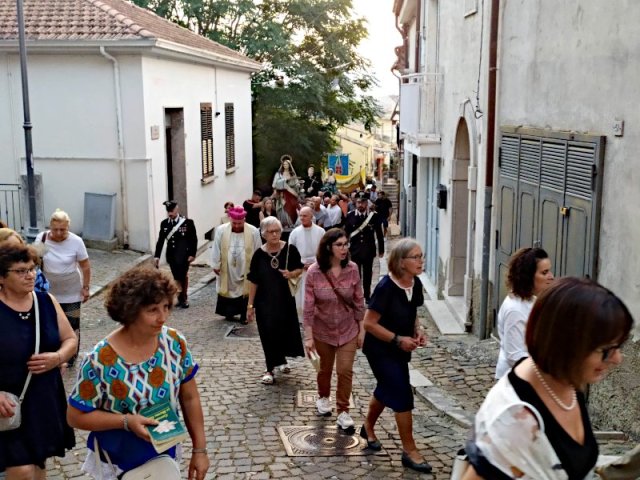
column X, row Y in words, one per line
column 549, row 189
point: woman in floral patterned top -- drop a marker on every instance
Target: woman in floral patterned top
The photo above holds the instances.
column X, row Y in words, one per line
column 128, row 371
column 534, row 423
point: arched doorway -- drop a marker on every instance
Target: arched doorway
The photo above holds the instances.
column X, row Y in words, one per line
column 460, row 212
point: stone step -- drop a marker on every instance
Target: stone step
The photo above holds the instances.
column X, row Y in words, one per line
column 444, row 319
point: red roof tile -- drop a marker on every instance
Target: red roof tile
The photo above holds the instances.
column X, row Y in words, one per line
column 102, row 20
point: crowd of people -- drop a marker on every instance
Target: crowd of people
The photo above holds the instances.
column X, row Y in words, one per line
column 310, row 294
column 142, row 364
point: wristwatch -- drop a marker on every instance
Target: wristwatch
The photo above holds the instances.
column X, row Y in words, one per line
column 250, row 306
column 396, row 340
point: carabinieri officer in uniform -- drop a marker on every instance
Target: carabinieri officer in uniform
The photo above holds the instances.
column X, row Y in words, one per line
column 363, row 228
column 182, row 244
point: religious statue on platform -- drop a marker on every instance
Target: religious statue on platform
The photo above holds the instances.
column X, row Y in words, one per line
column 330, row 183
column 286, row 188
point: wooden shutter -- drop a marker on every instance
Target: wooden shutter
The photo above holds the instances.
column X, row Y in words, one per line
column 206, row 139
column 230, row 136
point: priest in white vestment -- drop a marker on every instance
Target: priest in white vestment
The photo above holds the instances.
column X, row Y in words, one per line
column 306, row 238
column 233, row 246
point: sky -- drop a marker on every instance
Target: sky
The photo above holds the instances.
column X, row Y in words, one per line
column 379, row 46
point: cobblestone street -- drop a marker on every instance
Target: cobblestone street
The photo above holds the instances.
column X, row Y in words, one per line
column 242, row 415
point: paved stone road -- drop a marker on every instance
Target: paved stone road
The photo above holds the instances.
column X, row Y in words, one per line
column 242, row 415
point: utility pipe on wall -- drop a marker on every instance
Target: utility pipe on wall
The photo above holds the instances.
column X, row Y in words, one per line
column 490, row 151
column 119, row 129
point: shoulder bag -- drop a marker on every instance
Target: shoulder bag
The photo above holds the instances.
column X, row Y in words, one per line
column 13, row 422
column 294, row 283
column 162, row 467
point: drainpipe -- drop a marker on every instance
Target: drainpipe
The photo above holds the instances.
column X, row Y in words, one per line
column 123, row 172
column 488, row 184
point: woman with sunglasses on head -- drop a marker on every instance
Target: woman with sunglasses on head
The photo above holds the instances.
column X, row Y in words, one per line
column 534, row 422
column 528, row 276
column 43, row 431
column 333, row 312
column 66, row 265
column 393, row 332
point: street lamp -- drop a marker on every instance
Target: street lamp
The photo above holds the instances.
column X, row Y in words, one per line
column 31, row 188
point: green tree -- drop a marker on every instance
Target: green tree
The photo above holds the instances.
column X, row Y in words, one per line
column 313, row 80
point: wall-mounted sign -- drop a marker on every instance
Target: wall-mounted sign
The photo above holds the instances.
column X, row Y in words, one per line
column 155, row 132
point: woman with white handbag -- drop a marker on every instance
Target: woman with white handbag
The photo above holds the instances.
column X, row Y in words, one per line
column 142, row 365
column 36, row 340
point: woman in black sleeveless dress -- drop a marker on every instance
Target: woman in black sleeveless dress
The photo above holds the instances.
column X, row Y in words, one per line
column 43, row 432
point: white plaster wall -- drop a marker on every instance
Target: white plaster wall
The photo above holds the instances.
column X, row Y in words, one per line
column 574, row 66
column 10, row 120
column 459, row 55
column 73, row 116
column 169, row 84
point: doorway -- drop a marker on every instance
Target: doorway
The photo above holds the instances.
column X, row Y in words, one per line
column 432, row 224
column 176, row 158
column 459, row 212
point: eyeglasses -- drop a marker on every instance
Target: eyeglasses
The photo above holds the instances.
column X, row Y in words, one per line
column 608, row 351
column 272, row 232
column 416, row 257
column 342, row 244
column 23, row 272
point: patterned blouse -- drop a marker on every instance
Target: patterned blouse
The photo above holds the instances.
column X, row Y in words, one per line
column 107, row 382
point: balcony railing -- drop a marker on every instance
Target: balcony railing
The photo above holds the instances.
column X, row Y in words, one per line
column 420, row 103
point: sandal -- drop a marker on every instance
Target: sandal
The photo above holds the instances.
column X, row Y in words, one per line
column 267, row 378
column 285, row 368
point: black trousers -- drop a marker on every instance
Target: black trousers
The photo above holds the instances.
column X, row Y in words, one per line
column 365, row 268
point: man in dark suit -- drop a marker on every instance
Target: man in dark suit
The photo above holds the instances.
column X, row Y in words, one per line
column 364, row 227
column 182, row 243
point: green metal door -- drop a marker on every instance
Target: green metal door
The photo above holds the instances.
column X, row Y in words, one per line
column 549, row 187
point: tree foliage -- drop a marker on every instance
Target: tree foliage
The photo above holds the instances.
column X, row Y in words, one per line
column 313, row 80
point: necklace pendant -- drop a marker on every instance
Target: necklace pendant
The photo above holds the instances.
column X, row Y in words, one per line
column 24, row 315
column 234, row 263
column 274, row 262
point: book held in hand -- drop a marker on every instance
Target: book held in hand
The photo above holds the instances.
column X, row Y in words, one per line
column 314, row 358
column 170, row 430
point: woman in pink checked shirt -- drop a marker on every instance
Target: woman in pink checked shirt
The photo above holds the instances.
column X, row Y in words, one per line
column 333, row 313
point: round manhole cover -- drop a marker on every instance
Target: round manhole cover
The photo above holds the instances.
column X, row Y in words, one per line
column 309, row 441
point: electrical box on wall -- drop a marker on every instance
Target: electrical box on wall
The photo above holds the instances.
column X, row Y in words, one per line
column 441, row 197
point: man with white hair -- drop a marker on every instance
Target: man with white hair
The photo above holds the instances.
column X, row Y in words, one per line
column 306, row 238
column 233, row 247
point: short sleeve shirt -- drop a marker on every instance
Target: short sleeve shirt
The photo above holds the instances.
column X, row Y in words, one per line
column 397, row 314
column 107, row 382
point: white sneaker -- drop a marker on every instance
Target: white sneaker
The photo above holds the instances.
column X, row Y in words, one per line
column 345, row 421
column 323, row 404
